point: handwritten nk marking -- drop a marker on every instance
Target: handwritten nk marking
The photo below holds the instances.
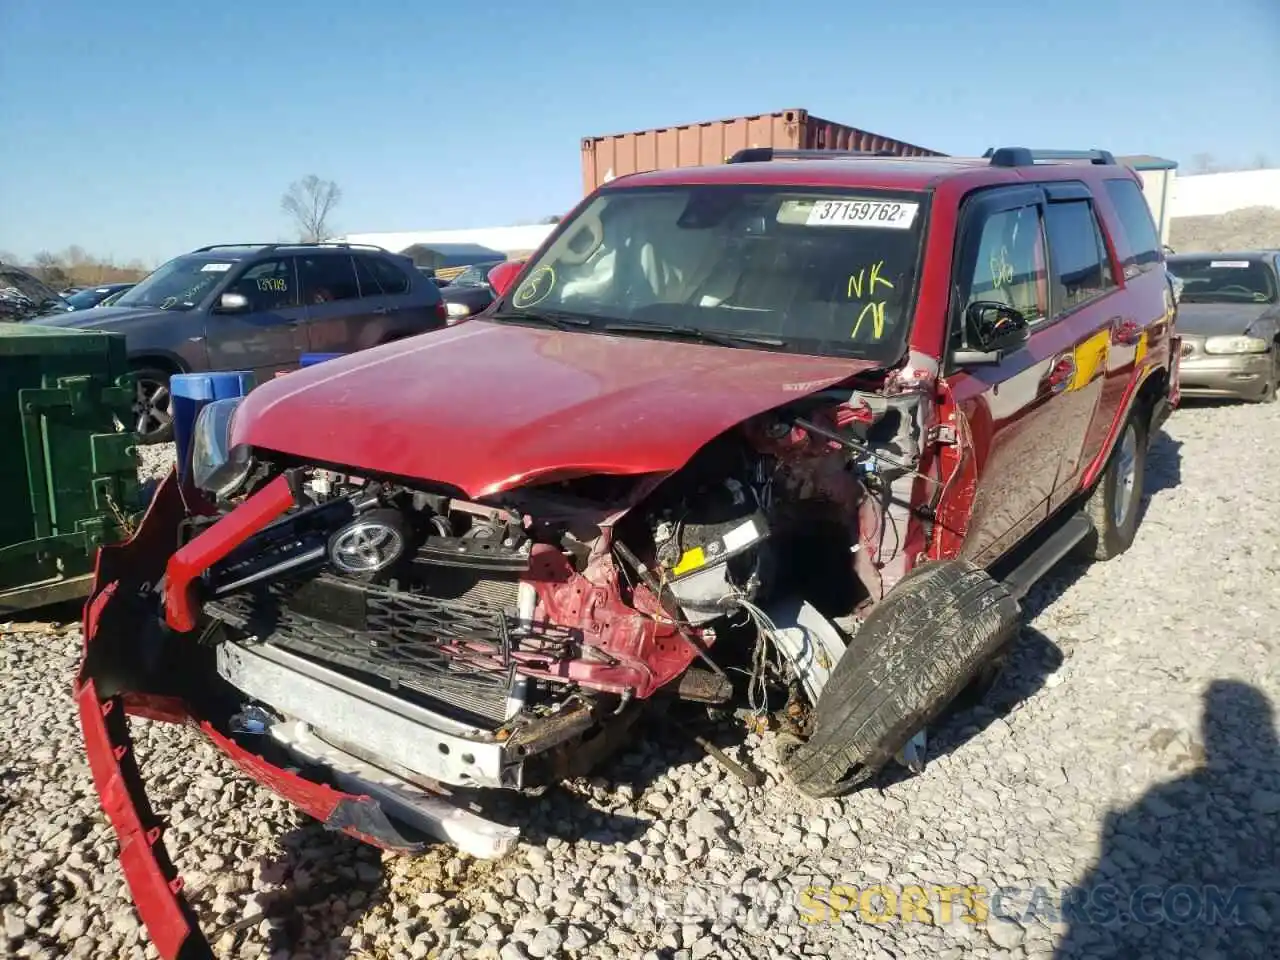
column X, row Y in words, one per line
column 857, row 282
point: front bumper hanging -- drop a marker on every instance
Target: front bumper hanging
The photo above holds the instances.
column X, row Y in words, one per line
column 123, row 640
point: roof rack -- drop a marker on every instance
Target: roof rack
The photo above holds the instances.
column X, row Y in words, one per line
column 1022, row 157
column 765, row 154
column 264, row 247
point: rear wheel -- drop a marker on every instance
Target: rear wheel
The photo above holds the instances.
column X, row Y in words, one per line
column 152, row 406
column 914, row 652
column 1114, row 505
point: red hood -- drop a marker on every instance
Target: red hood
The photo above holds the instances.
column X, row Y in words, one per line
column 485, row 406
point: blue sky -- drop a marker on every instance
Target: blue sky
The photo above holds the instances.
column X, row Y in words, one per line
column 148, row 128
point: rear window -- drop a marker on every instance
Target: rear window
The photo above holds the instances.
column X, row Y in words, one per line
column 390, row 277
column 1081, row 270
column 1224, row 279
column 1137, row 224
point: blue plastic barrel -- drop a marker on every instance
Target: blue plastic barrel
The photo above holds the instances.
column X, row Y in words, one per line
column 189, row 393
column 311, row 359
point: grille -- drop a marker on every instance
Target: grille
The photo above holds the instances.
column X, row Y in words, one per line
column 456, row 651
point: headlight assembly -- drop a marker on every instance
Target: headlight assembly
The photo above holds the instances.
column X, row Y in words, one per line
column 1236, row 345
column 456, row 312
column 217, row 467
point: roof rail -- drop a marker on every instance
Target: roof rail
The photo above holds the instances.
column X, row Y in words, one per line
column 342, row 244
column 765, row 154
column 225, row 246
column 1022, row 157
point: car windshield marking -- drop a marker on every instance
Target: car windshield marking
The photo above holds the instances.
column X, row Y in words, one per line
column 721, row 338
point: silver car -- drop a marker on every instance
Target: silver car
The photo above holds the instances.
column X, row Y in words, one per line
column 1229, row 321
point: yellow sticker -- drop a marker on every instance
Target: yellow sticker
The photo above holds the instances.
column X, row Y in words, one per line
column 691, row 560
column 1091, row 359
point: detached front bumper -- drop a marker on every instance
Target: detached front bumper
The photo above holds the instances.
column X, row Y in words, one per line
column 1243, row 376
column 124, row 672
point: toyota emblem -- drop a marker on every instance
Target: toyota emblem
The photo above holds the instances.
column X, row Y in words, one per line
column 366, row 546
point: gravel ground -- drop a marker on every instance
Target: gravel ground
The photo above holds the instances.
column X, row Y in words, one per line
column 1130, row 741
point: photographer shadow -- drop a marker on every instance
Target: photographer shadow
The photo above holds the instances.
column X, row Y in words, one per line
column 1193, row 868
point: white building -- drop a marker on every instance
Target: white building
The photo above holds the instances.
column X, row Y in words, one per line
column 511, row 242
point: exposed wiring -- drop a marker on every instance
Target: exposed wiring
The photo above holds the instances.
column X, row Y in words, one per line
column 766, row 656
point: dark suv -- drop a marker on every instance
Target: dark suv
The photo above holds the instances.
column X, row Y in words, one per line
column 259, row 307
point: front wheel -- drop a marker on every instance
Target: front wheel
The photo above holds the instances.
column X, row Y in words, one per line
column 152, row 409
column 916, row 650
column 1115, row 503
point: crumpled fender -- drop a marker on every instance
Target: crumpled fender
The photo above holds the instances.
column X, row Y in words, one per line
column 121, row 617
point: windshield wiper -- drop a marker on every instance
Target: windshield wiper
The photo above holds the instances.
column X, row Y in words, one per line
column 718, row 337
column 551, row 318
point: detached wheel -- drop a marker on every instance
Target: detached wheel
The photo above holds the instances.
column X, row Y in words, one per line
column 914, row 653
column 1112, row 508
column 153, row 416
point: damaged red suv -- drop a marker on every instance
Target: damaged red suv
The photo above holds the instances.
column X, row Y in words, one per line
column 796, row 432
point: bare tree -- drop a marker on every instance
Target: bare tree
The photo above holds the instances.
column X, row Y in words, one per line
column 309, row 202
column 1262, row 162
column 49, row 268
column 1202, row 163
column 551, row 218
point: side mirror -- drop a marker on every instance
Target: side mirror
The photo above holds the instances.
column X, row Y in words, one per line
column 504, row 275
column 233, row 303
column 991, row 330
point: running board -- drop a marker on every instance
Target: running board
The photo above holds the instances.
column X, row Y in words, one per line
column 1039, row 562
column 408, row 803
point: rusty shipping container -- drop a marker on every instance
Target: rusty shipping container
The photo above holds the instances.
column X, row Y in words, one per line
column 699, row 144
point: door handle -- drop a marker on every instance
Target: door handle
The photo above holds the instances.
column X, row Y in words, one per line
column 1060, row 375
column 381, row 311
column 1126, row 331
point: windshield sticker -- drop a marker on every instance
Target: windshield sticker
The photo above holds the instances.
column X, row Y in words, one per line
column 883, row 214
column 215, row 268
column 1230, row 264
column 536, row 288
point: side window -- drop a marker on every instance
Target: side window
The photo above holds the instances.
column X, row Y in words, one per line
column 328, row 277
column 1138, row 226
column 391, row 277
column 369, row 286
column 269, row 285
column 1008, row 264
column 1081, row 269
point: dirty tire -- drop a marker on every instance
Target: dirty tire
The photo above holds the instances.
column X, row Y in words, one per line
column 1112, row 536
column 913, row 654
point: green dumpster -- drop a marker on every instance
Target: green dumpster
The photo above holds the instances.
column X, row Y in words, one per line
column 69, row 479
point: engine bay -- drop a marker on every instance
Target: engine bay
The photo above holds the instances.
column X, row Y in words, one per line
column 582, row 596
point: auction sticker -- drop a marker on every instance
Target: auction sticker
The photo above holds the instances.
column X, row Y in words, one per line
column 215, row 268
column 852, row 212
column 1230, row 264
